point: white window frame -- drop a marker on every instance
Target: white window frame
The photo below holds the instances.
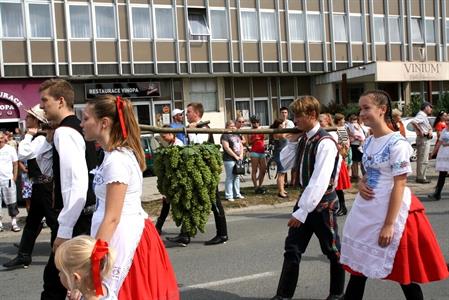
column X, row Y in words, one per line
column 447, row 29
column 50, row 13
column 276, row 21
column 216, row 107
column 268, row 106
column 206, row 25
column 256, row 23
column 383, row 17
column 155, row 35
column 150, row 11
column 227, row 24
column 302, row 16
column 95, row 21
column 401, row 30
column 90, row 21
column 24, row 32
column 361, row 28
column 315, row 13
column 428, row 19
column 345, row 21
column 422, row 28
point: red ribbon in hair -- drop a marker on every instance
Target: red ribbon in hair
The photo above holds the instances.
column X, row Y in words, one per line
column 120, row 105
column 98, row 253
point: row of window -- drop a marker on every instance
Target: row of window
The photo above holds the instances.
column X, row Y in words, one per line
column 158, row 22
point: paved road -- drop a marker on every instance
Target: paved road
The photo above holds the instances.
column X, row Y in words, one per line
column 247, row 267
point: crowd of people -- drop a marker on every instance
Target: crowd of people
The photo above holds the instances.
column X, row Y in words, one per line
column 104, row 244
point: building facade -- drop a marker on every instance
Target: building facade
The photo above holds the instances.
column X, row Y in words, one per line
column 237, row 57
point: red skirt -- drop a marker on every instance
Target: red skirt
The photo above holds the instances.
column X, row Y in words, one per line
column 344, row 182
column 151, row 276
column 419, row 258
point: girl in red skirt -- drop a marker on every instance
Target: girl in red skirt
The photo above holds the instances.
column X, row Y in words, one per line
column 387, row 235
column 142, row 269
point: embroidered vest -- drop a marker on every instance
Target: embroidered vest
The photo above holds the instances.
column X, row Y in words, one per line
column 91, row 160
column 306, row 154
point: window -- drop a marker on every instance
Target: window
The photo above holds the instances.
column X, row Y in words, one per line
column 314, row 28
column 356, row 28
column 141, row 22
column 447, row 30
column 340, row 31
column 249, row 26
column 80, row 21
column 417, row 33
column 164, row 23
column 219, row 24
column 198, row 27
column 296, row 26
column 379, row 30
column 12, row 20
column 40, row 26
column 395, row 29
column 261, row 110
column 430, row 31
column 105, row 22
column 205, row 92
column 268, row 26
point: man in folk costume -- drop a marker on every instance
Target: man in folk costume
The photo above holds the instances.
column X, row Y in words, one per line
column 36, row 148
column 315, row 156
column 73, row 158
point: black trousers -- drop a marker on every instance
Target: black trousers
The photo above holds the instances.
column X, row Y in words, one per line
column 219, row 217
column 40, row 206
column 53, row 289
column 296, row 243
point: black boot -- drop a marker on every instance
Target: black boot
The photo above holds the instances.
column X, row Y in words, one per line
column 21, row 260
column 159, row 224
column 182, row 239
column 287, row 281
column 440, row 183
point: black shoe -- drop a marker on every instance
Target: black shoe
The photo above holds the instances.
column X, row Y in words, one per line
column 434, row 197
column 260, row 190
column 336, row 297
column 424, row 181
column 280, row 298
column 218, row 239
column 18, row 262
column 282, row 195
column 181, row 240
column 342, row 211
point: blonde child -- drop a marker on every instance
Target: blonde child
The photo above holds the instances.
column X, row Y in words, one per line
column 83, row 262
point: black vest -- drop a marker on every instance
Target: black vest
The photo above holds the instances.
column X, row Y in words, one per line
column 33, row 168
column 307, row 153
column 91, row 160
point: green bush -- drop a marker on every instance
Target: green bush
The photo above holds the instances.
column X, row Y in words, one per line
column 411, row 109
column 346, row 110
column 442, row 104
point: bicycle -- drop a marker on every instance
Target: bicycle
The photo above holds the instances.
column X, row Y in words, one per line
column 272, row 166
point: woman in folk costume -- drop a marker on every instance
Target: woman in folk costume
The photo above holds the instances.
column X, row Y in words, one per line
column 387, row 235
column 142, row 269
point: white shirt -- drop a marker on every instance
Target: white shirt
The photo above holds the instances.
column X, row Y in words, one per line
column 422, row 122
column 319, row 181
column 74, row 177
column 289, row 124
column 178, row 142
column 8, row 156
column 198, row 138
column 40, row 149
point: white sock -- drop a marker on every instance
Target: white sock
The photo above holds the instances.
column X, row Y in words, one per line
column 13, row 221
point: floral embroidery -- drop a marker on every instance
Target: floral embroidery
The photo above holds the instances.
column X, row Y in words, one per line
column 400, row 165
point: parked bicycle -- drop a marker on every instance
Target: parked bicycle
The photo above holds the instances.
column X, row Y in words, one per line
column 271, row 162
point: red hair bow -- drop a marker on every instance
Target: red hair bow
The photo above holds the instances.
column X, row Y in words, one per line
column 120, row 105
column 98, row 253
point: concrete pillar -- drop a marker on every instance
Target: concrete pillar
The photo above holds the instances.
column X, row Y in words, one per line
column 406, row 92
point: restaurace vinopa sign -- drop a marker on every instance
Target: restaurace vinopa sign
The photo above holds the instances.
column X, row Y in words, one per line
column 123, row 89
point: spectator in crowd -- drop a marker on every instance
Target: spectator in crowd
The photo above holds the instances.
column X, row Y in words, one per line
column 396, row 115
column 178, row 122
column 356, row 137
column 194, row 114
column 440, row 123
column 10, row 140
column 8, row 177
column 344, row 149
column 441, row 151
column 423, row 137
column 316, row 155
column 232, row 153
column 284, row 117
column 37, row 150
column 257, row 154
column 279, row 141
column 239, row 123
column 73, row 158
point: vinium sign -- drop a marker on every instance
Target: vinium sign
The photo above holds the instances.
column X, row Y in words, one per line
column 412, row 71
